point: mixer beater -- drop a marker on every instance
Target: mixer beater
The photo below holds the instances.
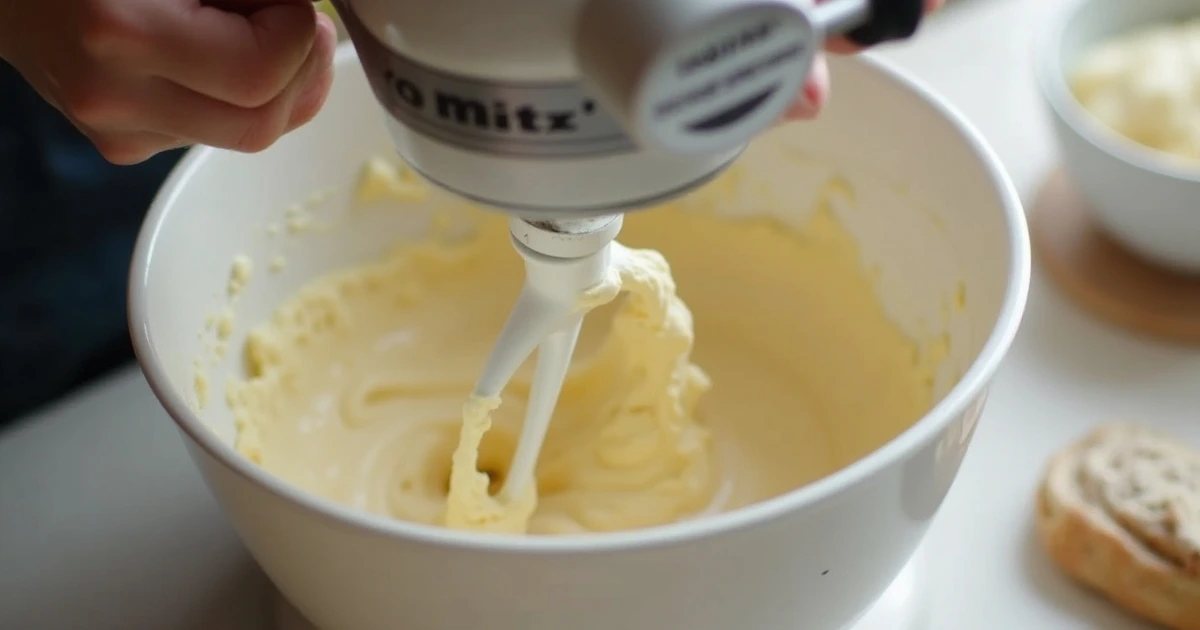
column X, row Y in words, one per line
column 568, row 113
column 566, row 261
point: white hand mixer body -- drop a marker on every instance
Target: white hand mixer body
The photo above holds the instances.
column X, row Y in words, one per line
column 568, row 113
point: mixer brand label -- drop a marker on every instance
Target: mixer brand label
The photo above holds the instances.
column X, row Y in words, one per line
column 730, row 82
column 726, row 47
column 529, row 120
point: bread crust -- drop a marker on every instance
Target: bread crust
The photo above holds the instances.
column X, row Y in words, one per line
column 1084, row 529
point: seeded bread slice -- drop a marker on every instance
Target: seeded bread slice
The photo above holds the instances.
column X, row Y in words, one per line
column 1119, row 511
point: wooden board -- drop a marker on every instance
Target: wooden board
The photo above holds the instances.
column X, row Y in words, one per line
column 1104, row 278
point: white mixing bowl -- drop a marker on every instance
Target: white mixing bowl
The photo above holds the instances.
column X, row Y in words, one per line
column 936, row 213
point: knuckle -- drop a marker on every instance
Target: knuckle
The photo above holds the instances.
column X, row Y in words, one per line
column 92, row 103
column 107, row 31
column 308, row 105
column 257, row 85
column 264, row 130
column 120, row 152
column 304, row 113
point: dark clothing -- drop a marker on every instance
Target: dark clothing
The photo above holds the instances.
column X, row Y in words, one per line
column 68, row 220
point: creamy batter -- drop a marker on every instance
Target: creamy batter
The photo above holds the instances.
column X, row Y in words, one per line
column 357, row 385
column 1145, row 86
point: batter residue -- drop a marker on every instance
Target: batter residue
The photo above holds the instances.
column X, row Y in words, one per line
column 643, row 459
column 356, row 386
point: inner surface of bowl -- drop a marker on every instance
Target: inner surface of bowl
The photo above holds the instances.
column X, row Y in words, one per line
column 248, row 231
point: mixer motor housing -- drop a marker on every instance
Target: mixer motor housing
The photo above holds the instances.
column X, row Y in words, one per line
column 550, row 109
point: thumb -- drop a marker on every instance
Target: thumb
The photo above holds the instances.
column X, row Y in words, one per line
column 244, row 56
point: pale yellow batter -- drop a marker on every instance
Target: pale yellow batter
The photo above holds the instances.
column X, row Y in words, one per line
column 357, row 385
column 645, row 459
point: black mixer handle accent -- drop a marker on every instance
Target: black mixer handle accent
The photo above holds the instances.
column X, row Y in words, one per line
column 890, row 20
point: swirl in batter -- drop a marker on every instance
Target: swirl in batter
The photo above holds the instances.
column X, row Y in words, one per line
column 374, row 364
column 356, row 386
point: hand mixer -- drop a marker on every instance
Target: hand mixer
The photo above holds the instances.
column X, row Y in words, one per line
column 565, row 114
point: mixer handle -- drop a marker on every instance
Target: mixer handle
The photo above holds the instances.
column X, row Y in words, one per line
column 889, row 20
column 701, row 77
column 246, row 7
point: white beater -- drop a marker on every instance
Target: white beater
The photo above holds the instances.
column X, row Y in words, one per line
column 563, row 259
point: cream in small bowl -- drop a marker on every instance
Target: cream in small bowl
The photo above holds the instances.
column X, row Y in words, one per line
column 1145, row 86
column 1121, row 81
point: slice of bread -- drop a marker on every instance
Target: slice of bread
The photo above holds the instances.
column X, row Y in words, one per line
column 1119, row 511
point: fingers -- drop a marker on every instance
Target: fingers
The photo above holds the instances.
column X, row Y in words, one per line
column 843, row 46
column 132, row 122
column 814, row 94
column 201, row 119
column 130, row 117
column 132, row 147
column 244, row 60
column 311, row 93
column 204, row 120
column 816, row 87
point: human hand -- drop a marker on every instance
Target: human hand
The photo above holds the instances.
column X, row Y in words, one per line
column 142, row 76
column 816, row 89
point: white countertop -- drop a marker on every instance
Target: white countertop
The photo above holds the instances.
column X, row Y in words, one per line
column 103, row 518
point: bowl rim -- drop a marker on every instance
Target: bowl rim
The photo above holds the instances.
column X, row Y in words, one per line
column 970, row 386
column 1051, row 78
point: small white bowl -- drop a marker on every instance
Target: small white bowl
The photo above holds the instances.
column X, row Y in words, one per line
column 935, row 212
column 1143, row 199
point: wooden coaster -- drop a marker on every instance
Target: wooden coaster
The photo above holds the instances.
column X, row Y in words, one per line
column 1104, row 278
